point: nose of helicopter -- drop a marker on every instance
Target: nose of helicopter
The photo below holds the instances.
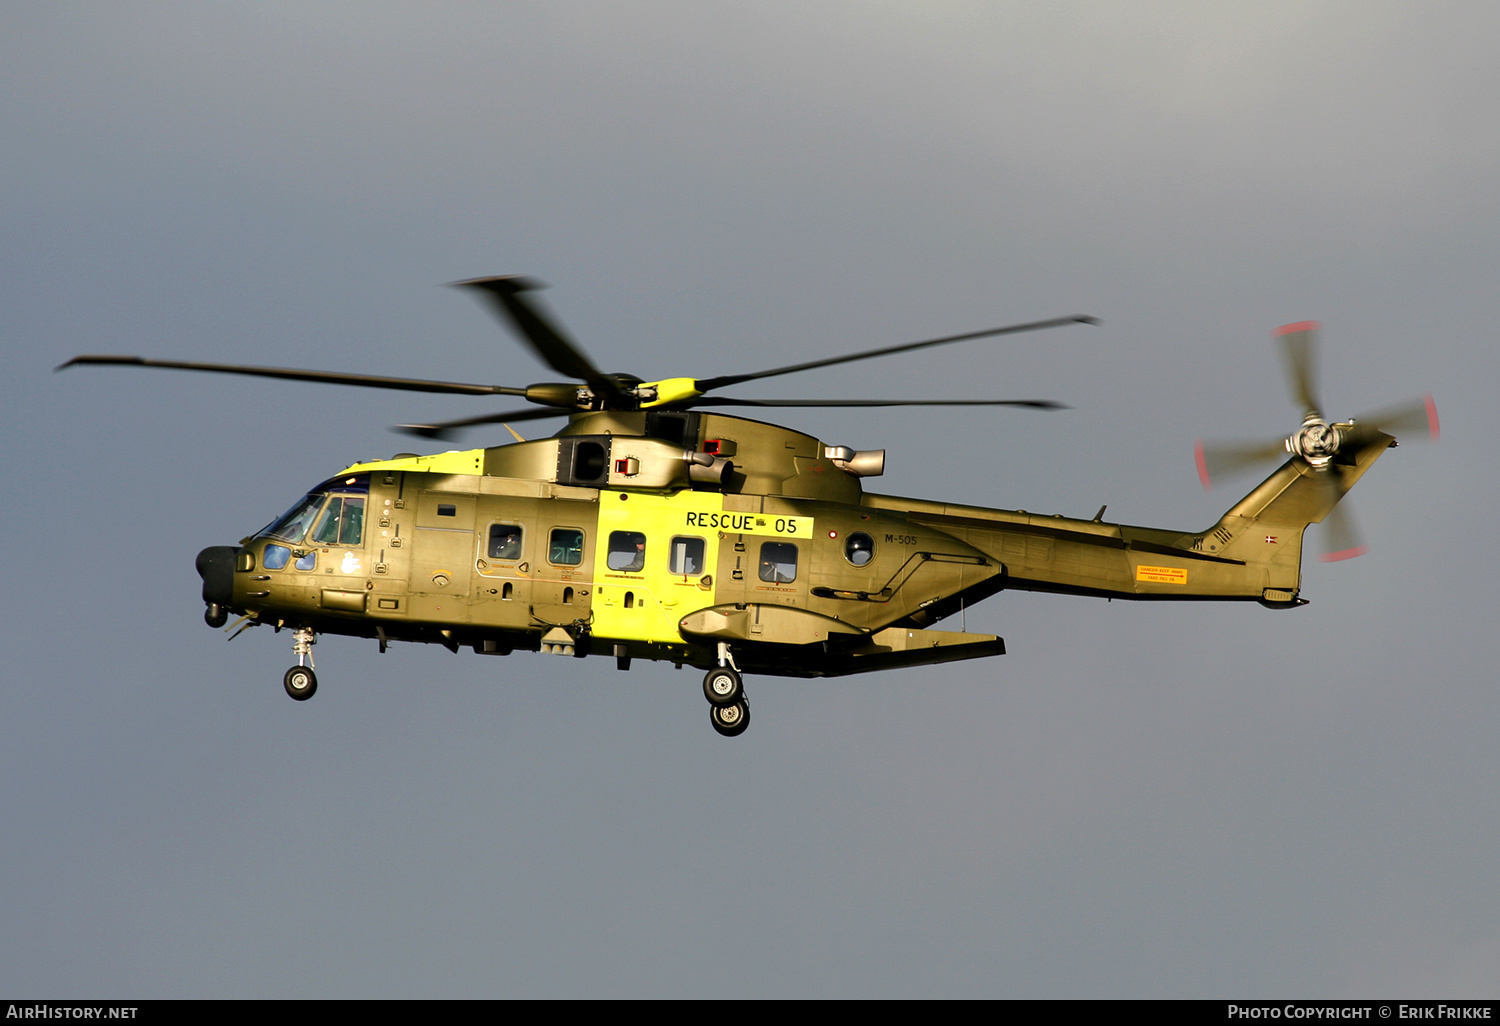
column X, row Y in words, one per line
column 216, row 567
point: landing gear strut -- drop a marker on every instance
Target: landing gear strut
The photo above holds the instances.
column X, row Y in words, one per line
column 300, row 681
column 725, row 691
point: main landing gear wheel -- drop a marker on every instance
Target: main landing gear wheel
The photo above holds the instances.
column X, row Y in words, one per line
column 730, row 720
column 722, row 686
column 301, row 683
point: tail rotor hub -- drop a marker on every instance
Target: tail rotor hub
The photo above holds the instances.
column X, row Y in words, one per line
column 1316, row 443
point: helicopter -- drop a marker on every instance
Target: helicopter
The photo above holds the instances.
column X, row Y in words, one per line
column 652, row 527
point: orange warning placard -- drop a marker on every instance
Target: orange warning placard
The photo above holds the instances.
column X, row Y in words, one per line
column 1161, row 574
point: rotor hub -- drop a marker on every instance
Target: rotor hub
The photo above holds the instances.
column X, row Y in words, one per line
column 1316, row 443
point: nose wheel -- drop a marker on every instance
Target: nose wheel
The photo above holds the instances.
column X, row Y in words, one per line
column 300, row 682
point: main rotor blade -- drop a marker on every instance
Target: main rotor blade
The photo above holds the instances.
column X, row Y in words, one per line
column 324, row 377
column 559, row 353
column 1224, row 459
column 1412, row 417
column 1036, row 404
column 708, row 384
column 1299, row 345
column 447, row 428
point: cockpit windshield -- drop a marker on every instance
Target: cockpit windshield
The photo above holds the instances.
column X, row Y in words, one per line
column 342, row 524
column 293, row 525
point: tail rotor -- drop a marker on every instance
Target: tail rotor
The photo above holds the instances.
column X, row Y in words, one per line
column 1318, row 444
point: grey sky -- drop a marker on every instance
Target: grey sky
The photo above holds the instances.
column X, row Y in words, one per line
column 1138, row 800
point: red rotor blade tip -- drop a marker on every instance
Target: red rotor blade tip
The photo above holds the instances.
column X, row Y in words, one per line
column 1202, row 465
column 1287, row 329
column 1432, row 420
column 1334, row 557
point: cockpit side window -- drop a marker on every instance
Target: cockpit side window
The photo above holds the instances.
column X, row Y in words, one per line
column 342, row 523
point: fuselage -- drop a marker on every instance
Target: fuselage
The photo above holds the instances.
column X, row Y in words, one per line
column 662, row 536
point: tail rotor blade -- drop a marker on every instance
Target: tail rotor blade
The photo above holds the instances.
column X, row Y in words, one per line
column 1218, row 460
column 1341, row 539
column 1299, row 345
column 1415, row 418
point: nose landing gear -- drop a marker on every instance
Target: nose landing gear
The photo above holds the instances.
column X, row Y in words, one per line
column 301, row 682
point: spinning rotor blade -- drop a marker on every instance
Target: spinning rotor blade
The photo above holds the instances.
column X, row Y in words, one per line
column 325, row 377
column 447, row 428
column 1299, row 345
column 1036, row 404
column 1317, row 446
column 1341, row 540
column 544, row 337
column 1406, row 418
column 1224, row 459
column 562, row 355
column 708, row 384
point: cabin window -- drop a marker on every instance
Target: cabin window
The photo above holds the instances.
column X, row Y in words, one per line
column 275, row 557
column 778, row 562
column 505, row 541
column 859, row 549
column 343, row 522
column 627, row 551
column 565, row 548
column 686, row 557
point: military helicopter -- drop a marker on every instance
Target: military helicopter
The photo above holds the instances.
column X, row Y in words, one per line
column 650, row 528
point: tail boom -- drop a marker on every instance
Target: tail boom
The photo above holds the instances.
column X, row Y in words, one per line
column 1253, row 552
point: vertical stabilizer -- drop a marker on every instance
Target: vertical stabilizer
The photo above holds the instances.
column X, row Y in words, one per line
column 1264, row 529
